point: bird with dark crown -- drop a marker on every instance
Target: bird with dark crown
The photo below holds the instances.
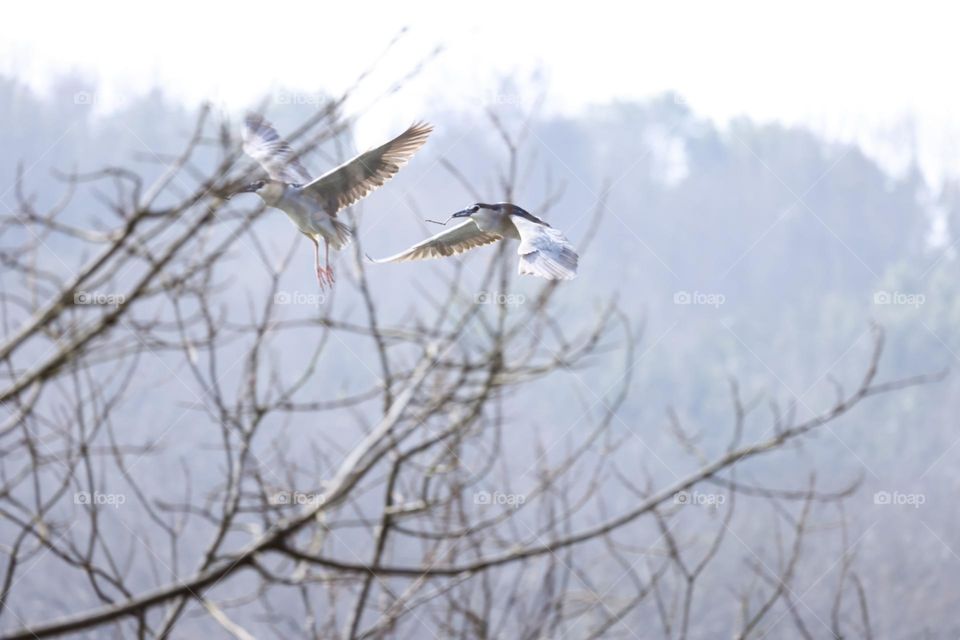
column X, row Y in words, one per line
column 543, row 250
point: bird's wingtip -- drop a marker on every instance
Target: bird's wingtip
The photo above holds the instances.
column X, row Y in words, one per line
column 421, row 127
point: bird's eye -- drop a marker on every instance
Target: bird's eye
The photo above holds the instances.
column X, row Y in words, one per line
column 474, row 209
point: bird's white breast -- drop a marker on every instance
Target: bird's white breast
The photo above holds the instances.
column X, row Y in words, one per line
column 300, row 209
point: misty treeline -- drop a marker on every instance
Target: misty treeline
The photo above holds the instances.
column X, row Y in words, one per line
column 730, row 423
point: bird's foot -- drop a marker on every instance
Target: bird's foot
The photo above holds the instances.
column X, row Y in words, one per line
column 323, row 279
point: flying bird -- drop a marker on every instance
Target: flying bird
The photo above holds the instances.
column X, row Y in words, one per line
column 543, row 250
column 312, row 204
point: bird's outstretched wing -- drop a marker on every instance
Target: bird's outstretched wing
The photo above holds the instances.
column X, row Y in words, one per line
column 352, row 180
column 544, row 251
column 463, row 237
column 262, row 143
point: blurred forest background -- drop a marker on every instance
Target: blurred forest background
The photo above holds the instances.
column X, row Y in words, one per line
column 748, row 251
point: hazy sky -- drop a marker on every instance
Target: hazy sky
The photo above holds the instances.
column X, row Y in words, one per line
column 856, row 71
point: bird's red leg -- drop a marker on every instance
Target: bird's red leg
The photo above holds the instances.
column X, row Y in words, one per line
column 326, row 248
column 316, row 262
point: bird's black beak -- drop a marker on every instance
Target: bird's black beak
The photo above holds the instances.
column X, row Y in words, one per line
column 250, row 188
column 458, row 214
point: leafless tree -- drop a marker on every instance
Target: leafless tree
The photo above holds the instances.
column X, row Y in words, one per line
column 392, row 505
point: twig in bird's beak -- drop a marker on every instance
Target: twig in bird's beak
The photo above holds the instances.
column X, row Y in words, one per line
column 440, row 223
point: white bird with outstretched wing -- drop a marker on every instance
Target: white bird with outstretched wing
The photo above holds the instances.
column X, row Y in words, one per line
column 543, row 250
column 312, row 205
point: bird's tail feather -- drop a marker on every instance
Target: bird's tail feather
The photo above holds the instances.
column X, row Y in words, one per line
column 343, row 235
column 556, row 263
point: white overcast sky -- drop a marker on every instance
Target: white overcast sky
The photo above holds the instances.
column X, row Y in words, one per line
column 851, row 70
